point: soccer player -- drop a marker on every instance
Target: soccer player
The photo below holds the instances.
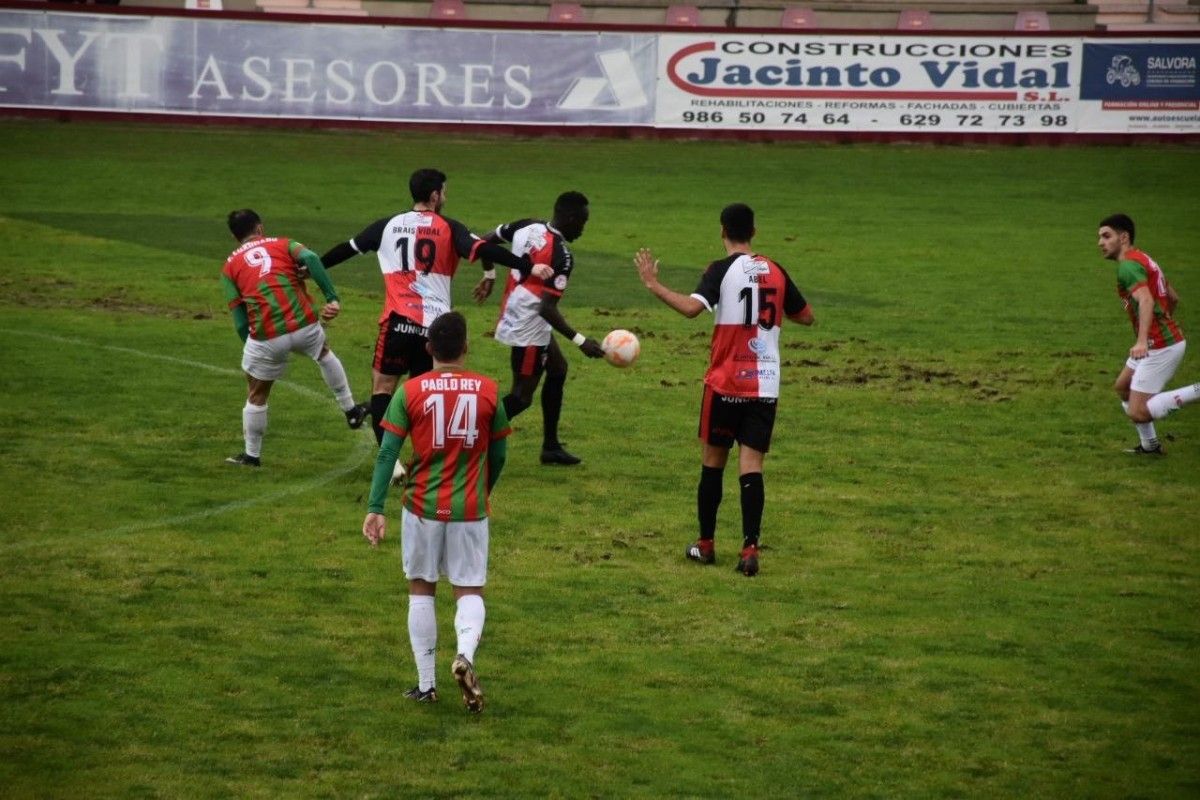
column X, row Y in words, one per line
column 1159, row 344
column 458, row 429
column 749, row 296
column 273, row 315
column 418, row 252
column 529, row 314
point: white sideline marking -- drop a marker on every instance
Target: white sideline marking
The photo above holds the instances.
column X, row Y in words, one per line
column 355, row 459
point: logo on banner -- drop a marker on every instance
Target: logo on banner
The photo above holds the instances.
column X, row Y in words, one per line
column 794, row 69
column 619, row 89
column 1123, row 71
column 1142, row 76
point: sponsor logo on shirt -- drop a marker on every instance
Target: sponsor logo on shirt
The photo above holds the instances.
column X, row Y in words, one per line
column 755, row 266
column 755, row 373
column 759, row 351
column 535, row 241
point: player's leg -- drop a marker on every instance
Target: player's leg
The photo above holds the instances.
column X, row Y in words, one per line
column 254, row 422
column 552, row 402
column 310, row 340
column 1150, row 375
column 715, row 439
column 754, row 437
column 386, row 368
column 466, row 566
column 1163, row 403
column 263, row 362
column 1146, row 434
column 528, row 363
column 421, row 542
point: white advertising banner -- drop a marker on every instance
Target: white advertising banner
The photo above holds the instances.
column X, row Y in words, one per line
column 954, row 84
column 321, row 70
column 324, row 70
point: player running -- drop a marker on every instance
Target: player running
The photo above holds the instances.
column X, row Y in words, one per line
column 749, row 296
column 274, row 316
column 418, row 252
column 529, row 314
column 458, row 429
column 1159, row 345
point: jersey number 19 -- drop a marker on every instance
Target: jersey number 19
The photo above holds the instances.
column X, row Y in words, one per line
column 420, row 252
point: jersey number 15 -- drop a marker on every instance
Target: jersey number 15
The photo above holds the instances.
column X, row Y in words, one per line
column 763, row 310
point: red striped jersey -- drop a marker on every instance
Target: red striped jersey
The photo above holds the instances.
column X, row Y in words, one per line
column 418, row 255
column 263, row 275
column 1135, row 270
column 520, row 324
column 453, row 416
column 749, row 296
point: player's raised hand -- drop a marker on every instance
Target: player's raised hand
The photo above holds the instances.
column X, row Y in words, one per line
column 483, row 289
column 331, row 310
column 647, row 266
column 374, row 528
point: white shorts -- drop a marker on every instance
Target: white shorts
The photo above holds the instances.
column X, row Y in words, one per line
column 267, row 360
column 1152, row 373
column 458, row 550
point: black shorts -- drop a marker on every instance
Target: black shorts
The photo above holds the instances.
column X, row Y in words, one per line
column 529, row 361
column 400, row 348
column 746, row 420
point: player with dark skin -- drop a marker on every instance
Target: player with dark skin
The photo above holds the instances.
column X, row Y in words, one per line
column 568, row 221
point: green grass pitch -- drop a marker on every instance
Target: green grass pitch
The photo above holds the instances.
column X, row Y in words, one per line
column 968, row 590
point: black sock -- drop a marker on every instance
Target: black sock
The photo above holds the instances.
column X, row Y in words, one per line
column 552, row 400
column 379, row 405
column 753, row 499
column 708, row 500
column 513, row 405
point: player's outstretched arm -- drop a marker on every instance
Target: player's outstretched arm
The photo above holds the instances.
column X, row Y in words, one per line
column 548, row 309
column 647, row 267
column 338, row 253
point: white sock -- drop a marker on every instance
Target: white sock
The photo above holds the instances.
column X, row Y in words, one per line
column 254, row 425
column 422, row 635
column 1145, row 430
column 468, row 624
column 335, row 378
column 1147, row 434
column 1164, row 403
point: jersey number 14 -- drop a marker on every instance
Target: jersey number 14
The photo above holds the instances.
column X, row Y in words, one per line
column 463, row 419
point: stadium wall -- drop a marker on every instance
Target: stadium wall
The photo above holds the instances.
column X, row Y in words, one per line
column 597, row 80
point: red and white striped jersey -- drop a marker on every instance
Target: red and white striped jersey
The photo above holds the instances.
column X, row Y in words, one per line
column 418, row 255
column 520, row 324
column 749, row 295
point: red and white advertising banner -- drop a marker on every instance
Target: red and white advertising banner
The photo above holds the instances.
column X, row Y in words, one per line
column 968, row 84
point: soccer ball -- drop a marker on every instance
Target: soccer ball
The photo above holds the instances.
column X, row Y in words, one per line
column 621, row 348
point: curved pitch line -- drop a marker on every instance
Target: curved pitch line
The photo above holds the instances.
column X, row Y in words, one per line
column 353, row 460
